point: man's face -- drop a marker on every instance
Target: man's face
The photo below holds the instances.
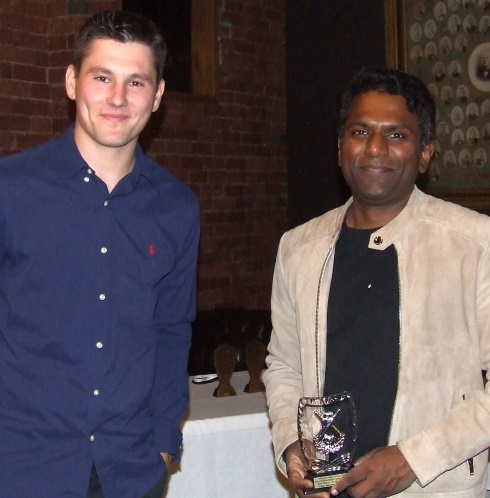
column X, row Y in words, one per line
column 115, row 92
column 379, row 152
column 485, row 59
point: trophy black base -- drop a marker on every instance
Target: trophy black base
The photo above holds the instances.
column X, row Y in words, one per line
column 322, row 481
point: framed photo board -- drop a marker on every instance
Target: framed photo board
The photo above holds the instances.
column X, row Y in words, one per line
column 447, row 44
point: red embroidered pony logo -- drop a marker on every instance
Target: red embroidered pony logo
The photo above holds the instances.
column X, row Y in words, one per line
column 152, row 250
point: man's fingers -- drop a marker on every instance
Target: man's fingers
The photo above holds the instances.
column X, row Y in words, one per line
column 350, row 479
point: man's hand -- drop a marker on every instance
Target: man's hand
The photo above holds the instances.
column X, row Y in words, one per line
column 167, row 458
column 382, row 472
column 296, row 468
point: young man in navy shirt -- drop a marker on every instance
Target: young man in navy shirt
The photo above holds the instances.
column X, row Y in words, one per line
column 98, row 255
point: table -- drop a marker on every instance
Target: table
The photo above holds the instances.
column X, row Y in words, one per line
column 227, row 447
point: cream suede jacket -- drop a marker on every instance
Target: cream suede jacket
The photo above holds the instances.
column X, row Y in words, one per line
column 444, row 277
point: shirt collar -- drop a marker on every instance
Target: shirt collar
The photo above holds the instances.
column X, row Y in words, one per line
column 70, row 161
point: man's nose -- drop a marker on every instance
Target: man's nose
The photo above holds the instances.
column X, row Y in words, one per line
column 117, row 96
column 377, row 145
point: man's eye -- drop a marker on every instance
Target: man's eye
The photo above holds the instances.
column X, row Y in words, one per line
column 136, row 83
column 358, row 132
column 104, row 79
column 397, row 135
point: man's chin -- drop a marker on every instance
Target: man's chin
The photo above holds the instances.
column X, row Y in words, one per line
column 115, row 142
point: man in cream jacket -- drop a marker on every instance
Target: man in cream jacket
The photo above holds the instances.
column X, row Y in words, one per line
column 387, row 297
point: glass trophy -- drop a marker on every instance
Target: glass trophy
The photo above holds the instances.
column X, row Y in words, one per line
column 327, row 434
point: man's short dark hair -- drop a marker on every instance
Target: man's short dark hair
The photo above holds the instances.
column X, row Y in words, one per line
column 394, row 82
column 122, row 27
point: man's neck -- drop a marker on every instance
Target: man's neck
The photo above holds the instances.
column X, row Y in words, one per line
column 365, row 217
column 112, row 168
column 110, row 164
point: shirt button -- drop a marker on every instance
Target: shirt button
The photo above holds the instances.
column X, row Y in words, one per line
column 86, row 179
column 378, row 240
column 92, row 437
column 96, row 392
column 99, row 345
column 102, row 297
column 89, row 171
column 106, row 203
column 103, row 250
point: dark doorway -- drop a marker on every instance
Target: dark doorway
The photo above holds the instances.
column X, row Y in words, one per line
column 326, row 43
column 173, row 18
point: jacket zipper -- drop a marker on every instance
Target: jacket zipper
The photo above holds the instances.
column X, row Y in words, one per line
column 317, row 311
column 471, row 465
column 399, row 344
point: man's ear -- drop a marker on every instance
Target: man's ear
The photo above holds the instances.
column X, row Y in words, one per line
column 70, row 81
column 426, row 156
column 158, row 95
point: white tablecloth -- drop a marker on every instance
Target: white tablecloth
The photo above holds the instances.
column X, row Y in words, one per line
column 227, row 447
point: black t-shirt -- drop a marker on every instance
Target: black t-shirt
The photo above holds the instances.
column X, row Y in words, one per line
column 363, row 334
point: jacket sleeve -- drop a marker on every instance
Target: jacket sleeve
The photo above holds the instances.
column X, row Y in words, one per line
column 174, row 313
column 443, row 445
column 464, row 432
column 283, row 378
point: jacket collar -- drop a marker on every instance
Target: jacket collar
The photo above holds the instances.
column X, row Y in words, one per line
column 387, row 235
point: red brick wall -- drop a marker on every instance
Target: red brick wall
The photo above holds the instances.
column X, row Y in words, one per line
column 228, row 148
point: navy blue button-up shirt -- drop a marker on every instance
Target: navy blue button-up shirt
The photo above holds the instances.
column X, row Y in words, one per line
column 97, row 292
